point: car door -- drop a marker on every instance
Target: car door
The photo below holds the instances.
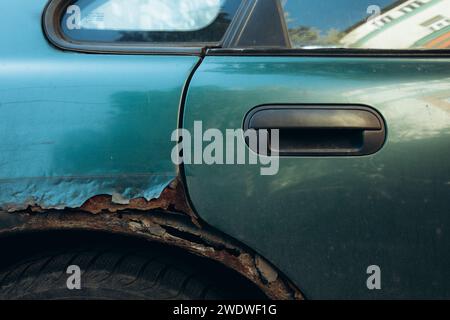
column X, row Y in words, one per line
column 88, row 103
column 341, row 218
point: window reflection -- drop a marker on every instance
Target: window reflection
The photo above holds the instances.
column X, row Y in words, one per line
column 369, row 24
column 148, row 15
column 155, row 22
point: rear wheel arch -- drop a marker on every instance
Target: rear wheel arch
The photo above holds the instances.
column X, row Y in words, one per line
column 153, row 228
column 35, row 268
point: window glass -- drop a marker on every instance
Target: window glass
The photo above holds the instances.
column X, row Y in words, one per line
column 179, row 21
column 368, row 24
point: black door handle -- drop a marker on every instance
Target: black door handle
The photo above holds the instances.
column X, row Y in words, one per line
column 319, row 130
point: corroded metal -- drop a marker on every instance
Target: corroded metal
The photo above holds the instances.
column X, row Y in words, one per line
column 172, row 198
column 167, row 219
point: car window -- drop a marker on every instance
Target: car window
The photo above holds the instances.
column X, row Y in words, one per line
column 150, row 21
column 368, row 24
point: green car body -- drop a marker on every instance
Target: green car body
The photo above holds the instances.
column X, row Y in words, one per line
column 326, row 219
column 76, row 125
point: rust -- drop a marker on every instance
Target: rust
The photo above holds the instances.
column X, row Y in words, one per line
column 169, row 220
column 173, row 198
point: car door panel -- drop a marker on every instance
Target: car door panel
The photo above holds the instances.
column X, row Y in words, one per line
column 324, row 220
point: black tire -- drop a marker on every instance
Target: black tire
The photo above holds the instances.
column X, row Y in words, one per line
column 156, row 274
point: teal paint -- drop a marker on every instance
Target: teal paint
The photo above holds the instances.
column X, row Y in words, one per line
column 73, row 126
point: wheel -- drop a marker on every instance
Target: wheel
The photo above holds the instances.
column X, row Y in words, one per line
column 157, row 274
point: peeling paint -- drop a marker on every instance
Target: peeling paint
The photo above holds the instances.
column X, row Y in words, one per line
column 172, row 198
column 73, row 192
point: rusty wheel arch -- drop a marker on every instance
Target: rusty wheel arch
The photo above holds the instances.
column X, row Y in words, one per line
column 168, row 220
column 167, row 228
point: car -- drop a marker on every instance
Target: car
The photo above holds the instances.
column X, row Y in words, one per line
column 225, row 149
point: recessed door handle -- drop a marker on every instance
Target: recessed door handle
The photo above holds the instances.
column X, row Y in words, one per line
column 319, row 130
